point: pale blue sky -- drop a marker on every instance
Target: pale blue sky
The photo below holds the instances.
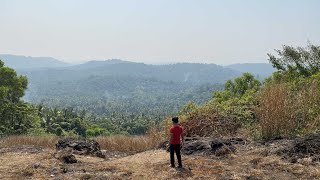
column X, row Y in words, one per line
column 157, row 31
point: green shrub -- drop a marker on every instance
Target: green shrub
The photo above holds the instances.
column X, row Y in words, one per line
column 96, row 131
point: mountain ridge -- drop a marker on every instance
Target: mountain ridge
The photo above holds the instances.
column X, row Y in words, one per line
column 29, row 62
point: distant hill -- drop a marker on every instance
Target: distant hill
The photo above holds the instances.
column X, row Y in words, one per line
column 104, row 87
column 108, row 86
column 181, row 72
column 27, row 62
column 97, row 63
column 261, row 70
column 115, row 85
column 193, row 73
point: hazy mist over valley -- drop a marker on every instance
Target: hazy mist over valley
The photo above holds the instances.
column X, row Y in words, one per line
column 161, row 89
column 99, row 83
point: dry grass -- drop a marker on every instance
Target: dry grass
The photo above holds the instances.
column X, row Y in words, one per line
column 111, row 143
column 276, row 111
column 309, row 103
column 246, row 163
column 284, row 111
column 39, row 141
column 131, row 143
column 128, row 143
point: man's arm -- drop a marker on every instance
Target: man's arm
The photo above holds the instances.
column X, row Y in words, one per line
column 169, row 143
column 171, row 137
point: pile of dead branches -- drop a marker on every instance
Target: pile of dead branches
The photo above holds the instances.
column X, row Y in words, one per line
column 209, row 123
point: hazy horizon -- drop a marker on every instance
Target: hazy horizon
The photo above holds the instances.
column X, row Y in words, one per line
column 75, row 62
column 156, row 32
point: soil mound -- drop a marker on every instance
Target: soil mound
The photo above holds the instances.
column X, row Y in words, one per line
column 80, row 146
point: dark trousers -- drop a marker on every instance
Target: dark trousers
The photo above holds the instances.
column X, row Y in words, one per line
column 175, row 148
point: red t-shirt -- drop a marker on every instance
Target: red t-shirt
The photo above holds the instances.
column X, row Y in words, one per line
column 176, row 131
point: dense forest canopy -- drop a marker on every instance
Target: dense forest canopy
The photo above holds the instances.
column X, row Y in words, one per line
column 105, row 87
column 120, row 97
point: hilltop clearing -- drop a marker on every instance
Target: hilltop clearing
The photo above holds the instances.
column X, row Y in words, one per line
column 251, row 160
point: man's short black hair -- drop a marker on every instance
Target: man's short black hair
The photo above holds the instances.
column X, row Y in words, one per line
column 175, row 119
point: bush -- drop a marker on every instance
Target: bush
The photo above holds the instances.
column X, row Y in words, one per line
column 225, row 113
column 275, row 112
column 238, row 99
column 96, row 131
column 37, row 132
column 289, row 102
column 292, row 108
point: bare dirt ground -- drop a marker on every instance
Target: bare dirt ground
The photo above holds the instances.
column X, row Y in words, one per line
column 248, row 162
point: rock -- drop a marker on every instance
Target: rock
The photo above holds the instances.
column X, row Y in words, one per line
column 69, row 159
column 217, row 144
column 81, row 146
column 163, row 145
column 293, row 160
column 64, row 169
column 252, row 178
column 35, row 165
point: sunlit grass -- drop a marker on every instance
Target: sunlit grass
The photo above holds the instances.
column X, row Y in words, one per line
column 47, row 141
column 119, row 143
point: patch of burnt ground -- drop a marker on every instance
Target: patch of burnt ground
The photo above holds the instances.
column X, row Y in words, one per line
column 209, row 145
column 303, row 147
column 295, row 149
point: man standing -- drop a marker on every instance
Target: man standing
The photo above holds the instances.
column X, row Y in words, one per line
column 175, row 141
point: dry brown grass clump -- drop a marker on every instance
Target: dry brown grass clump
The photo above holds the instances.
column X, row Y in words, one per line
column 123, row 143
column 126, row 144
column 283, row 111
column 276, row 111
column 39, row 141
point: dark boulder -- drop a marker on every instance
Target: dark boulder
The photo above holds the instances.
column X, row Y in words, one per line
column 80, row 146
column 69, row 159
